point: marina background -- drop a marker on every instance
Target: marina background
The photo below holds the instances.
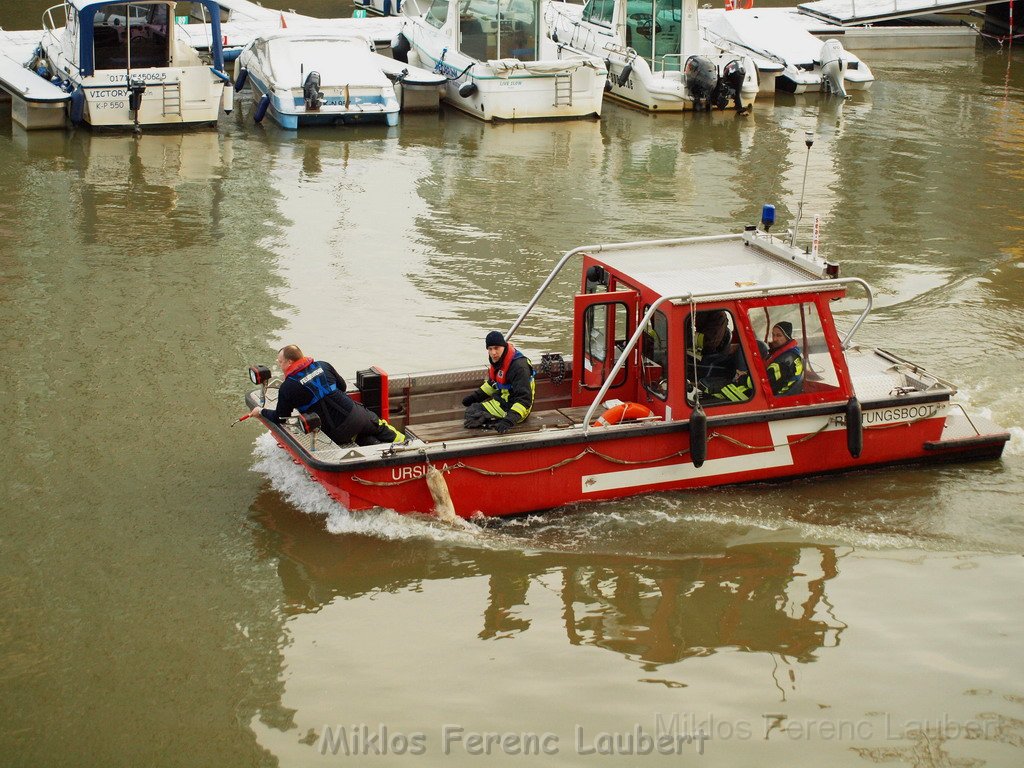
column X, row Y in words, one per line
column 175, row 592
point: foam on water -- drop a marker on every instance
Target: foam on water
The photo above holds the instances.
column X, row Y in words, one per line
column 291, row 481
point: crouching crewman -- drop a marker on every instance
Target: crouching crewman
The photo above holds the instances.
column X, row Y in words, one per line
column 506, row 396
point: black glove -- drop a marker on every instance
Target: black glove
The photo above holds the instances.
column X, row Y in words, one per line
column 502, row 426
column 468, row 400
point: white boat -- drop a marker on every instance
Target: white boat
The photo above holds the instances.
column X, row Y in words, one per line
column 498, row 62
column 773, row 38
column 125, row 64
column 655, row 55
column 309, row 79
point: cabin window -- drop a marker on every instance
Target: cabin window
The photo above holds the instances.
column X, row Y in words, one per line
column 605, row 334
column 437, row 13
column 653, row 30
column 599, row 12
column 132, row 35
column 502, row 30
column 816, row 371
column 717, row 366
column 654, row 355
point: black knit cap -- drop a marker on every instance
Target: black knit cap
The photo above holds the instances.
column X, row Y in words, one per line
column 786, row 327
column 495, row 339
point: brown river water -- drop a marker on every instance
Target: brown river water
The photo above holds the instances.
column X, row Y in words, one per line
column 176, row 592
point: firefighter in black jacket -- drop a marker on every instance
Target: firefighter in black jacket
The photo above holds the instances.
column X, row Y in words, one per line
column 311, row 385
column 506, row 396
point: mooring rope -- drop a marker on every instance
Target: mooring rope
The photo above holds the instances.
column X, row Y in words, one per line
column 551, row 468
column 592, row 452
column 740, row 443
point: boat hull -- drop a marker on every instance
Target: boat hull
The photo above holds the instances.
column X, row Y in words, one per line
column 512, row 478
column 173, row 97
column 516, row 95
column 282, row 109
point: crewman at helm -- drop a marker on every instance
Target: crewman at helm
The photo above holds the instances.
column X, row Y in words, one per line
column 311, row 385
column 506, row 396
column 785, row 368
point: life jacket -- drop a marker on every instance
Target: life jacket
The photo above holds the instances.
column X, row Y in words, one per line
column 313, row 378
column 499, row 390
column 786, row 366
column 499, row 378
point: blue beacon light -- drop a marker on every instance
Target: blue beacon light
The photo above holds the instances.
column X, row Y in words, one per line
column 767, row 216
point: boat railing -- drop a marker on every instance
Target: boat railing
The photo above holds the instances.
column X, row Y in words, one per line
column 49, row 25
column 50, row 28
column 603, row 249
column 693, row 298
column 662, row 64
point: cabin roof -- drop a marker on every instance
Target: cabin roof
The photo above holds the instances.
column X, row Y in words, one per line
column 729, row 266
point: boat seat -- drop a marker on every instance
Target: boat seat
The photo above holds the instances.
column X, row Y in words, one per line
column 445, row 431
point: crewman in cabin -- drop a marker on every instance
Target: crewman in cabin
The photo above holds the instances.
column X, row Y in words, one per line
column 785, row 368
column 311, row 385
column 506, row 396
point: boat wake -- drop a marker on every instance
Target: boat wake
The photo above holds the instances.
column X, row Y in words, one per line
column 292, row 482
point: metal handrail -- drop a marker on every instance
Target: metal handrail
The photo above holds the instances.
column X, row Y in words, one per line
column 817, row 285
column 601, row 249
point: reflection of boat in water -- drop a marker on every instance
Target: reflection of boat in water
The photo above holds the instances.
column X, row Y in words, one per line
column 761, row 598
column 639, row 319
column 127, row 65
column 308, row 79
column 656, row 57
column 498, row 63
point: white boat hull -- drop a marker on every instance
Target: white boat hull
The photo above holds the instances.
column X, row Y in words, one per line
column 349, row 86
column 517, row 96
column 184, row 96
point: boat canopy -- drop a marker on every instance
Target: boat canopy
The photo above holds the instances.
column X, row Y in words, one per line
column 339, row 60
column 87, row 10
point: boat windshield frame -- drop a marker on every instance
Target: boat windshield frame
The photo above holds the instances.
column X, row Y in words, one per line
column 816, row 286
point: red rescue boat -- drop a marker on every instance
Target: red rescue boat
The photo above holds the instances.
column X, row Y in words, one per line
column 668, row 326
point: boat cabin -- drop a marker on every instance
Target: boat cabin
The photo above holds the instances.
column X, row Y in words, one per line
column 659, row 31
column 99, row 35
column 703, row 313
column 490, row 30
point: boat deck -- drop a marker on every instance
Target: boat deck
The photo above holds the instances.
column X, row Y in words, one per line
column 539, row 421
column 881, row 375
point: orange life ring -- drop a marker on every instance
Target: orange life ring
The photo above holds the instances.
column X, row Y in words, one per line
column 623, row 412
column 733, row 5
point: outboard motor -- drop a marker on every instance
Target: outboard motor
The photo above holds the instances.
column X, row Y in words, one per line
column 400, row 48
column 731, row 84
column 833, row 67
column 701, row 78
column 311, row 92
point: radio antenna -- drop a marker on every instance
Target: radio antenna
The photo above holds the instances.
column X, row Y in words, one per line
column 809, row 141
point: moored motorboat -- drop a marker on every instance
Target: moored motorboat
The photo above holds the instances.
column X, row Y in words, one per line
column 126, row 64
column 656, row 57
column 498, row 63
column 643, row 323
column 786, row 52
column 316, row 79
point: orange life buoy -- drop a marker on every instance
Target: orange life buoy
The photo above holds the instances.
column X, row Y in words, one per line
column 623, row 412
column 733, row 5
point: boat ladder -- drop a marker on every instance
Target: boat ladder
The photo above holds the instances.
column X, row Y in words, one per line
column 172, row 99
column 563, row 90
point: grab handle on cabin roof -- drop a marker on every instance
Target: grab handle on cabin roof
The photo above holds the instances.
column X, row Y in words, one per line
column 600, row 249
